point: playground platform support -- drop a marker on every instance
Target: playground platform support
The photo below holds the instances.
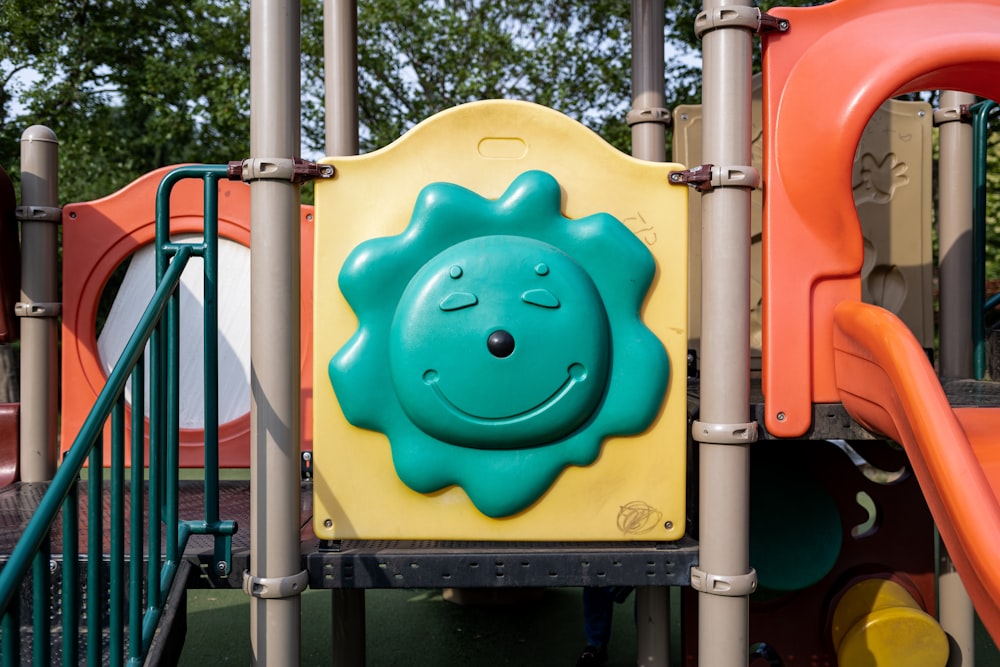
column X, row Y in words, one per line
column 648, row 120
column 274, row 350
column 340, row 51
column 955, row 237
column 723, row 430
column 38, row 308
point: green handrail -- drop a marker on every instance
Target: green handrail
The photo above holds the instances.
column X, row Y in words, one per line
column 980, row 126
column 159, row 326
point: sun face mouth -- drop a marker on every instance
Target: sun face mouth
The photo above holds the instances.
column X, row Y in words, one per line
column 575, row 374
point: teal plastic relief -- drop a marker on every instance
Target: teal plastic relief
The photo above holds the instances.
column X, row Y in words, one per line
column 499, row 342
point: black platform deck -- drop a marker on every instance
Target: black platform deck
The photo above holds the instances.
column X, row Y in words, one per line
column 388, row 564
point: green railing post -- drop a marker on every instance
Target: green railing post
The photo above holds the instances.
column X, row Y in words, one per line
column 980, row 131
column 10, row 630
column 71, row 577
column 95, row 547
column 159, row 326
column 138, row 511
column 41, row 640
column 116, row 609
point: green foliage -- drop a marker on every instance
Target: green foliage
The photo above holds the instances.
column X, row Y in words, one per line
column 418, row 57
column 127, row 85
column 131, row 85
column 993, row 208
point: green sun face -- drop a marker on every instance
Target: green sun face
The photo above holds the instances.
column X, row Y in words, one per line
column 498, row 341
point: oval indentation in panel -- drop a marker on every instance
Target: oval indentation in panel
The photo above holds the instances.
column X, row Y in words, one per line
column 503, row 148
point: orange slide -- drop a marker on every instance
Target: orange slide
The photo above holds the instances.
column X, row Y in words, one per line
column 887, row 384
column 823, row 78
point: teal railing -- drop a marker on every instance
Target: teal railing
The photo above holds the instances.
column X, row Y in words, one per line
column 133, row 614
column 981, row 112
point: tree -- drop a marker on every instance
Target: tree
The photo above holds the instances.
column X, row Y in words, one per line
column 131, row 85
column 127, row 85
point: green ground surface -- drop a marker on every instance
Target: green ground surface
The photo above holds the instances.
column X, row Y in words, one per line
column 419, row 628
column 415, row 628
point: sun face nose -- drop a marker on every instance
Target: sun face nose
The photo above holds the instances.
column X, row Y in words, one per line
column 500, row 344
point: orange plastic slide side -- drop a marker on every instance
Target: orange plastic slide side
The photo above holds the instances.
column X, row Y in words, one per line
column 100, row 235
column 823, row 79
column 887, row 384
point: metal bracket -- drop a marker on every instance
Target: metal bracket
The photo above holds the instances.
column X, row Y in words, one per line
column 275, row 587
column 38, row 309
column 38, row 214
column 738, row 17
column 959, row 114
column 653, row 115
column 736, row 585
column 724, row 434
column 707, row 177
column 295, row 169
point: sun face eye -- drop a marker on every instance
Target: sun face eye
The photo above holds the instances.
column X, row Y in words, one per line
column 458, row 301
column 540, row 297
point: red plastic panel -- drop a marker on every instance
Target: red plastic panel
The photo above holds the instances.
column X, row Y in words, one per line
column 100, row 235
column 10, row 429
column 823, row 79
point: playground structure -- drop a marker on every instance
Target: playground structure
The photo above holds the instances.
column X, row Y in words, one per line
column 816, row 585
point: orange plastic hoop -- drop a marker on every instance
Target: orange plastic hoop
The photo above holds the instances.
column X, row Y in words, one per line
column 98, row 236
column 823, row 79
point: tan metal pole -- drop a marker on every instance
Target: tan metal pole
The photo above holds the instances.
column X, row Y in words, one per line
column 274, row 321
column 340, row 57
column 648, row 119
column 723, row 577
column 955, row 235
column 39, row 307
column 955, row 609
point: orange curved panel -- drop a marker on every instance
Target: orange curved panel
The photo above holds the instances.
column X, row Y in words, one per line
column 887, row 384
column 823, row 79
column 97, row 237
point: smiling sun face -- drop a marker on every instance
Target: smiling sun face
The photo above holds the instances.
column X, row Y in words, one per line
column 486, row 335
column 499, row 342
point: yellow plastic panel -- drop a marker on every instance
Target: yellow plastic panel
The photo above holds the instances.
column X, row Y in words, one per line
column 634, row 489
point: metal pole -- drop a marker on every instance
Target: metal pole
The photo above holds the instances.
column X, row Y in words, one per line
column 648, row 119
column 955, row 235
column 723, row 615
column 340, row 51
column 340, row 57
column 274, row 321
column 39, row 307
column 955, row 609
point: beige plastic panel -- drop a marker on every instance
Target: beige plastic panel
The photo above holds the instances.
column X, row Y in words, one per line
column 892, row 192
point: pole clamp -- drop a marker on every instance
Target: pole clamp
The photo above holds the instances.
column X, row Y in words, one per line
column 275, row 587
column 295, row 170
column 734, row 586
column 707, row 177
column 957, row 114
column 38, row 214
column 38, row 309
column 653, row 115
column 738, row 17
column 724, row 434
